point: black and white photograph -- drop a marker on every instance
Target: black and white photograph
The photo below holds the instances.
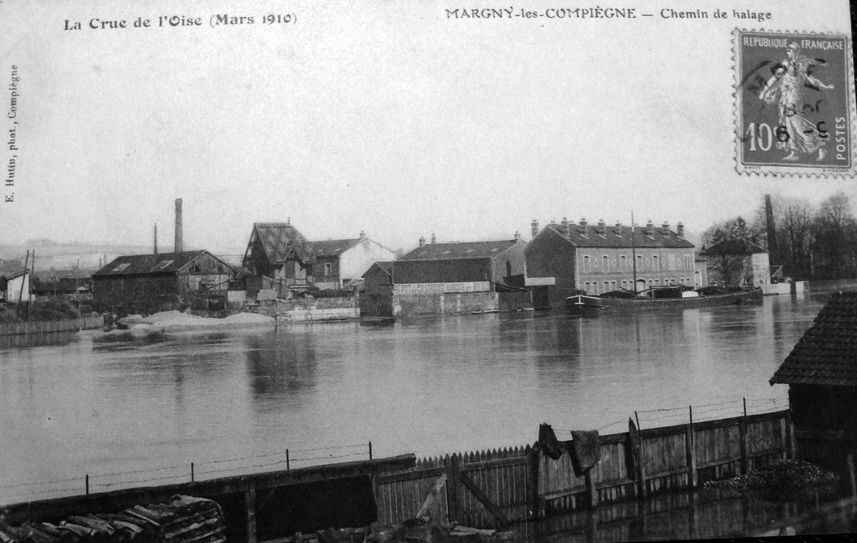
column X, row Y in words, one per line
column 369, row 271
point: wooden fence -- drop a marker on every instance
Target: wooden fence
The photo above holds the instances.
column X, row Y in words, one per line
column 46, row 327
column 497, row 488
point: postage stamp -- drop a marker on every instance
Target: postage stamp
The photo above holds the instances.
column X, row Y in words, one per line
column 794, row 104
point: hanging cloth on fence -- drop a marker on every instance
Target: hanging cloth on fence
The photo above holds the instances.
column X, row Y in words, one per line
column 585, row 450
column 548, row 442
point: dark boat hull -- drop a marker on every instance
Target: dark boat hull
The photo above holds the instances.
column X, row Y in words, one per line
column 732, row 298
column 584, row 306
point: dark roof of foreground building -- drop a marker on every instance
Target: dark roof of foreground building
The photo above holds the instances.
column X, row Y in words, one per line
column 333, row 247
column 163, row 263
column 827, row 352
column 619, row 236
column 469, row 249
column 734, row 247
column 281, row 241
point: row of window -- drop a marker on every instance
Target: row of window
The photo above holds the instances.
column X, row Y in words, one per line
column 597, row 287
column 644, row 263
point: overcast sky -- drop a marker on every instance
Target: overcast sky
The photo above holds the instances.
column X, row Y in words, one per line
column 375, row 116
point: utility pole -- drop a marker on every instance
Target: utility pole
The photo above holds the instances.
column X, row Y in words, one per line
column 634, row 251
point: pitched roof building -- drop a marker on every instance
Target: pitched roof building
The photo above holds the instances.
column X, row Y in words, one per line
column 738, row 262
column 821, row 372
column 340, row 262
column 495, row 262
column 152, row 281
column 600, row 258
column 279, row 251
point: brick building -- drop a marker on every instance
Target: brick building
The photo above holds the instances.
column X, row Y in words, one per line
column 600, row 258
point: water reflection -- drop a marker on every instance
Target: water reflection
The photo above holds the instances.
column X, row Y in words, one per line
column 428, row 386
column 279, row 364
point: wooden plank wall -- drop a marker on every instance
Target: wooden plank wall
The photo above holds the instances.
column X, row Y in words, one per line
column 490, row 489
column 46, row 327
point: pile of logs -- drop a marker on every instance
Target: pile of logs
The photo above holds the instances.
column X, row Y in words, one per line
column 184, row 519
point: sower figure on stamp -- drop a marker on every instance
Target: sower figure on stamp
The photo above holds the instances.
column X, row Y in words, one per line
column 796, row 134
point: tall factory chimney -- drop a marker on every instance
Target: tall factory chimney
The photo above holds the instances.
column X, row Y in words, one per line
column 771, row 230
column 156, row 238
column 179, row 244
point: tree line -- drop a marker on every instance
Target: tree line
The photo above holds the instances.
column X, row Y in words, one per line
column 808, row 241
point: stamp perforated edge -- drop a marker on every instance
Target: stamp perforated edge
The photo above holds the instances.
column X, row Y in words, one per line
column 807, row 171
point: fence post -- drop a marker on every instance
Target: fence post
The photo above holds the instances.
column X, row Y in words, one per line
column 288, row 467
column 742, row 429
column 690, row 451
column 370, row 450
column 87, row 484
column 250, row 505
column 191, row 472
column 591, row 489
column 452, row 464
column 534, row 457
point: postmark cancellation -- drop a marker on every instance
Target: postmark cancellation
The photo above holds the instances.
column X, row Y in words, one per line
column 794, row 104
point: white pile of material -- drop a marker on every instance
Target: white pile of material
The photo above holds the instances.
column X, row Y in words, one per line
column 168, row 320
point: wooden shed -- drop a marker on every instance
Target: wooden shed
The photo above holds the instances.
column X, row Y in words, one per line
column 152, row 282
column 821, row 372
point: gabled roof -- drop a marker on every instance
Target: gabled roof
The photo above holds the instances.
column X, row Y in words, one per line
column 827, row 352
column 739, row 247
column 281, row 241
column 164, row 263
column 333, row 247
column 470, row 249
column 384, row 266
column 619, row 236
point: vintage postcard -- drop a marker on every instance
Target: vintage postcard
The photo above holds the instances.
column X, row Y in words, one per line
column 440, row 270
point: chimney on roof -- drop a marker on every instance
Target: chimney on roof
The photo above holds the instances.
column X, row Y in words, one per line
column 534, row 228
column 178, row 246
column 583, row 222
column 433, row 239
column 517, row 236
column 666, row 228
column 422, row 241
column 679, row 229
column 362, row 234
column 602, row 227
column 650, row 228
column 155, row 250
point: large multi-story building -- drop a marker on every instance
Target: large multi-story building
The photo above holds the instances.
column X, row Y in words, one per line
column 600, row 258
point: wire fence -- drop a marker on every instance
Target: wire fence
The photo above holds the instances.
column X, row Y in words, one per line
column 285, row 459
column 671, row 416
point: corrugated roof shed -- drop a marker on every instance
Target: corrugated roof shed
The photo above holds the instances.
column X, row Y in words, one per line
column 472, row 249
column 282, row 241
column 734, row 247
column 827, row 352
column 147, row 264
column 620, row 236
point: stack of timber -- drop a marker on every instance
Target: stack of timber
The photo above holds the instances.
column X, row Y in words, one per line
column 184, row 519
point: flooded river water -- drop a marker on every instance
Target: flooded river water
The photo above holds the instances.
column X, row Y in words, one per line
column 142, row 411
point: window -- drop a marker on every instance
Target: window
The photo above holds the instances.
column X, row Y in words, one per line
column 606, row 286
column 586, row 263
column 326, row 270
column 121, row 267
column 508, row 269
column 623, row 264
column 655, row 263
column 604, row 264
column 639, row 262
column 671, row 262
column 162, row 265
